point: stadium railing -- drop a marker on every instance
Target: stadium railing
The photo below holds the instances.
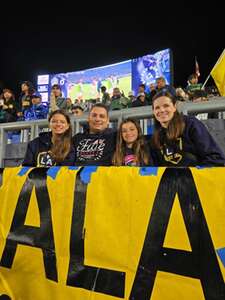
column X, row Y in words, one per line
column 12, row 152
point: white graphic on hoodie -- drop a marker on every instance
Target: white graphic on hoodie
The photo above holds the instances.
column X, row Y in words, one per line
column 89, row 149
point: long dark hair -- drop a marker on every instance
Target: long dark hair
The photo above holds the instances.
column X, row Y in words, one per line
column 30, row 86
column 61, row 143
column 138, row 146
column 175, row 127
column 7, row 91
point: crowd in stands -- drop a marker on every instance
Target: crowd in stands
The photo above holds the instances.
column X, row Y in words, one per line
column 29, row 105
column 177, row 140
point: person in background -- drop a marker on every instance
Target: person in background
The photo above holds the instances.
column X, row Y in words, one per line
column 180, row 140
column 52, row 148
column 193, row 83
column 69, row 104
column 77, row 110
column 118, row 101
column 96, row 145
column 181, row 95
column 131, row 149
column 194, row 89
column 141, row 90
column 105, row 96
column 140, row 101
column 56, row 99
column 152, row 92
column 161, row 86
column 2, row 112
column 28, row 90
column 131, row 97
column 8, row 106
column 37, row 111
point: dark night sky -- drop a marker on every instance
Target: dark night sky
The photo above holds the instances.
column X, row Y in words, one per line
column 84, row 42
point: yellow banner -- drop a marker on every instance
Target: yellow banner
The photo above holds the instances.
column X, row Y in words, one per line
column 218, row 74
column 112, row 233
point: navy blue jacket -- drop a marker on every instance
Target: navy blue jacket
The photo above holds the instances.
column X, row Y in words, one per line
column 195, row 147
column 37, row 154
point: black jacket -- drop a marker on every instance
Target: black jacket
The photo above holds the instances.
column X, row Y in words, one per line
column 195, row 147
column 138, row 103
column 11, row 110
column 37, row 154
column 95, row 149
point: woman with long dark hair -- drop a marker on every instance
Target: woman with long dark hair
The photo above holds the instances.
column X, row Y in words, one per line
column 130, row 148
column 27, row 90
column 180, row 140
column 8, row 106
column 52, row 148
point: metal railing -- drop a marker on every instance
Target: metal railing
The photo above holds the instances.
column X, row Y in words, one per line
column 30, row 130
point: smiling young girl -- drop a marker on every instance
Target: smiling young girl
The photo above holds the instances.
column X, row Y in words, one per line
column 52, row 148
column 130, row 149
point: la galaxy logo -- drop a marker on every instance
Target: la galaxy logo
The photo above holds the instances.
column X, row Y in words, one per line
column 44, row 159
column 174, row 156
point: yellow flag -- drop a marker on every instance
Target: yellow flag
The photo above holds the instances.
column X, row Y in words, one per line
column 218, row 73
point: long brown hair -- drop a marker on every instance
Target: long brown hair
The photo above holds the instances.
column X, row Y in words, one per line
column 175, row 127
column 138, row 146
column 61, row 143
column 7, row 91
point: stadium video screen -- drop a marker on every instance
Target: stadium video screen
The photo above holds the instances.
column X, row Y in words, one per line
column 126, row 75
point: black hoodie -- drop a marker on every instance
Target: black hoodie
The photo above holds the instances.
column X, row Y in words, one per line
column 95, row 149
column 195, row 147
column 38, row 155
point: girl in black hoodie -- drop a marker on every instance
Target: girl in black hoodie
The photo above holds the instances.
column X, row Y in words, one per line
column 52, row 148
column 181, row 140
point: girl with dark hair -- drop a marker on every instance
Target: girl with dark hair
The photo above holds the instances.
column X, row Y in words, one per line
column 130, row 149
column 52, row 148
column 8, row 106
column 180, row 140
column 27, row 90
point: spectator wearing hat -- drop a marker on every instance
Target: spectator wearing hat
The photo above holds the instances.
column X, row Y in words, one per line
column 140, row 101
column 56, row 99
column 37, row 111
column 131, row 97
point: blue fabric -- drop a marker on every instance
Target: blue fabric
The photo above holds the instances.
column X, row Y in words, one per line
column 73, row 168
column 53, row 171
column 23, row 171
column 86, row 173
column 36, row 112
column 145, row 171
column 221, row 253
